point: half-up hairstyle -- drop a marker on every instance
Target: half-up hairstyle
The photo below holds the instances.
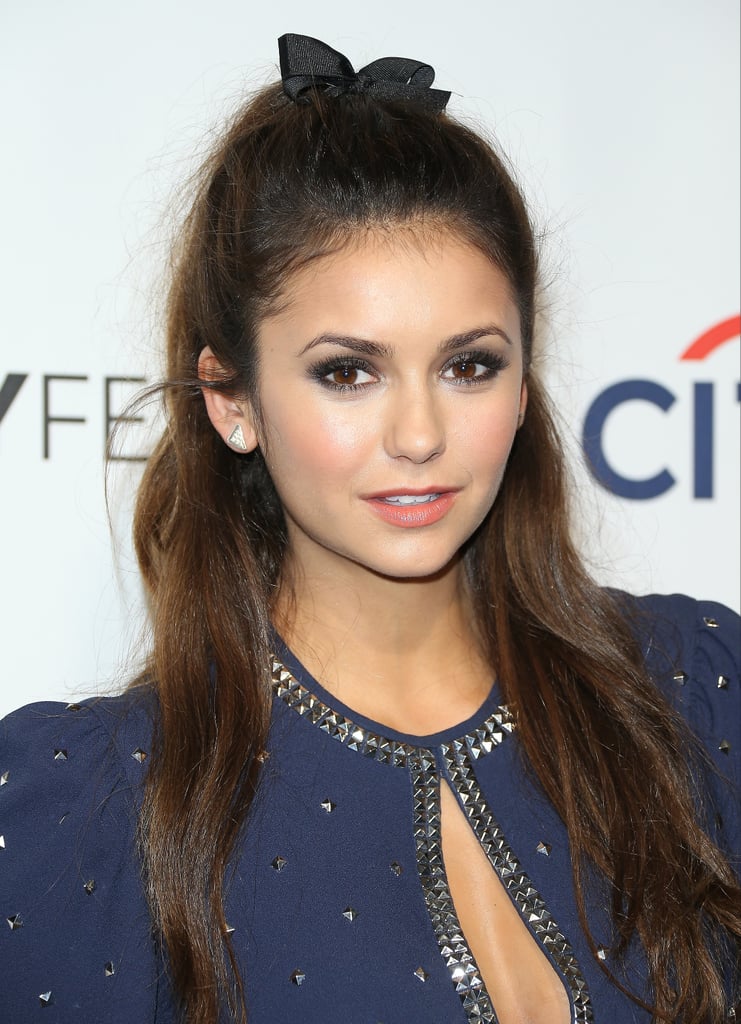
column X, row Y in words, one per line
column 287, row 184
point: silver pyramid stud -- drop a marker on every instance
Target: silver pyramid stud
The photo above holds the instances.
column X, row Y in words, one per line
column 236, row 439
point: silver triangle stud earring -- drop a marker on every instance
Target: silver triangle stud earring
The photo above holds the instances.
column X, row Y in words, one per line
column 236, row 439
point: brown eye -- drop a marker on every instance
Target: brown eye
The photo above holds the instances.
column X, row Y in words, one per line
column 464, row 371
column 474, row 367
column 344, row 375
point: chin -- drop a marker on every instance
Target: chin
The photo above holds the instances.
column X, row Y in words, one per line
column 417, row 569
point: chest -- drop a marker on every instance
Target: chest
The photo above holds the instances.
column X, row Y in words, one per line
column 342, row 896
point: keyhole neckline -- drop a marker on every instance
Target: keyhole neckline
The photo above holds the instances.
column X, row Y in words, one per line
column 491, row 706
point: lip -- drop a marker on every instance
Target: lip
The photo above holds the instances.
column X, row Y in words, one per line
column 413, row 516
column 415, row 492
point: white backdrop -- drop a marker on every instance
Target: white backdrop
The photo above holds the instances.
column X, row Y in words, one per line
column 623, row 122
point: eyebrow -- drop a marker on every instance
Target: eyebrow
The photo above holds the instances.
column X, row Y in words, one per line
column 375, row 348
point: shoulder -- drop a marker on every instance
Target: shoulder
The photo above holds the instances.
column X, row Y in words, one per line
column 69, row 767
column 51, row 743
column 691, row 647
column 692, row 650
column 683, row 620
column 65, row 768
column 70, row 888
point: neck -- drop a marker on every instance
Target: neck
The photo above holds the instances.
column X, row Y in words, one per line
column 401, row 652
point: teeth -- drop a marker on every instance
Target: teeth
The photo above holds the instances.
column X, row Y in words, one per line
column 411, row 499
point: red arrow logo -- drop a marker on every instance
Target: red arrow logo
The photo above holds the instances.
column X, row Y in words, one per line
column 725, row 331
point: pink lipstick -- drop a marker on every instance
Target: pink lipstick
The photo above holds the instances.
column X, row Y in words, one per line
column 411, row 508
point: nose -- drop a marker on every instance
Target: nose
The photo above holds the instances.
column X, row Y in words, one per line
column 415, row 427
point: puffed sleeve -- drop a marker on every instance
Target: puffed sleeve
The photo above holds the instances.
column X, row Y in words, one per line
column 714, row 711
column 75, row 932
column 696, row 647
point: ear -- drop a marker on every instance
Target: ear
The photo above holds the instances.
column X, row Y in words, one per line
column 232, row 420
column 523, row 404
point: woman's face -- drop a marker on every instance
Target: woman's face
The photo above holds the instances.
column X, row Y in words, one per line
column 391, row 387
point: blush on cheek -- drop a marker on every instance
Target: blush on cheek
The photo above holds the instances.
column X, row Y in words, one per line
column 346, row 434
column 323, row 443
column 489, row 439
column 317, row 453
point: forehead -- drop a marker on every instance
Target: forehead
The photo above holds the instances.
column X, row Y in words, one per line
column 390, row 282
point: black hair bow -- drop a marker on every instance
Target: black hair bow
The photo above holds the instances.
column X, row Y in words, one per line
column 307, row 63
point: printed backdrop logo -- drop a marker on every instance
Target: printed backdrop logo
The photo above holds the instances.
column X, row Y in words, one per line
column 652, row 391
column 56, row 386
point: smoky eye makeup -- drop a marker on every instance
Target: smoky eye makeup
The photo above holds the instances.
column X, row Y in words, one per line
column 347, row 373
column 475, row 366
column 342, row 373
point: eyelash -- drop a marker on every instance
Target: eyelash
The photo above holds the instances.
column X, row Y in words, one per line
column 493, row 364
column 320, row 371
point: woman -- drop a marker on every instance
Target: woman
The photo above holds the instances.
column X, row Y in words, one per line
column 314, row 805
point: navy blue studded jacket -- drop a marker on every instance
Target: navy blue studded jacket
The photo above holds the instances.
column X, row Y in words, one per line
column 338, row 898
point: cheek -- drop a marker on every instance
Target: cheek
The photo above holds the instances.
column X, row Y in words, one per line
column 486, row 439
column 306, row 440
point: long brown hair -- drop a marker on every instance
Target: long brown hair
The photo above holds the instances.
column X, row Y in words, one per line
column 287, row 184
